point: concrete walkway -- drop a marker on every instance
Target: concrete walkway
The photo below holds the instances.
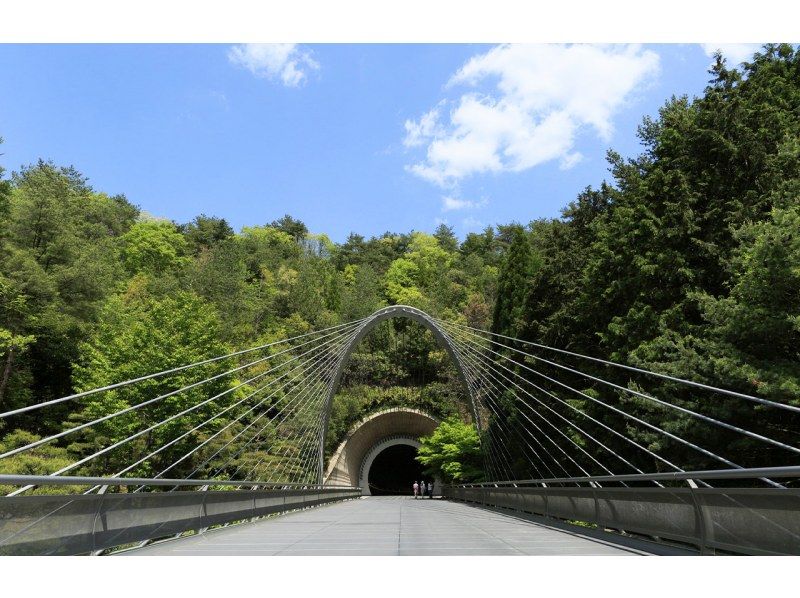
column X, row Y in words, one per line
column 388, row 526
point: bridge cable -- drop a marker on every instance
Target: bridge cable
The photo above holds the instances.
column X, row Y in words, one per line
column 306, row 451
column 329, row 364
column 496, row 411
column 661, row 402
column 717, row 389
column 532, row 436
column 493, row 371
column 533, row 410
column 285, row 408
column 165, row 372
column 499, row 450
column 300, row 392
column 141, row 432
column 83, row 426
column 314, row 451
column 548, row 437
column 591, row 418
column 655, row 455
column 634, row 418
column 570, row 423
column 261, row 388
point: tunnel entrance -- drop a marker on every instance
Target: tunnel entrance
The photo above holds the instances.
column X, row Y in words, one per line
column 394, row 471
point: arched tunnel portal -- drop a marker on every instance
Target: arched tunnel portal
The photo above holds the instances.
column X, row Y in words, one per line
column 378, row 452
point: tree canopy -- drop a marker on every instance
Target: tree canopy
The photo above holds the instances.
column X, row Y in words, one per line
column 452, row 453
column 686, row 261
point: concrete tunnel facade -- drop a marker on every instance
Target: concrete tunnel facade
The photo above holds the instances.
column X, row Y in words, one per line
column 350, row 465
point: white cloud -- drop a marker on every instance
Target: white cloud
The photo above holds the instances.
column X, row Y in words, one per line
column 454, row 203
column 288, row 63
column 734, row 53
column 417, row 132
column 525, row 106
column 570, row 160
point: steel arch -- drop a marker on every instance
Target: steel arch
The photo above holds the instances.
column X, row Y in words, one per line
column 387, row 313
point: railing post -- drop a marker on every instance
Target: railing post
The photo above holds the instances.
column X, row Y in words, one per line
column 546, row 506
column 203, row 528
column 701, row 521
column 255, row 498
column 98, row 515
column 594, row 486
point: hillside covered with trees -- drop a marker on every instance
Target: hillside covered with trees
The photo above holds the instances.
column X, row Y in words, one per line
column 686, row 261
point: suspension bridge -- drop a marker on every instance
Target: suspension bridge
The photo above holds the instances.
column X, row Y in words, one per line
column 582, row 456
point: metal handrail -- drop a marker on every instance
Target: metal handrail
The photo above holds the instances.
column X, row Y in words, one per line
column 43, row 480
column 709, row 474
column 92, row 523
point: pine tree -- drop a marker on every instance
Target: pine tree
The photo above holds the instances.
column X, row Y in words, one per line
column 512, row 285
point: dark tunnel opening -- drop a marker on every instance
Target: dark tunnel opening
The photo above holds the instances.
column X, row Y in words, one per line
column 394, row 471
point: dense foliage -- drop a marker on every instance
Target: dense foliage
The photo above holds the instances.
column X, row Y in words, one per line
column 686, row 262
column 94, row 292
column 452, row 453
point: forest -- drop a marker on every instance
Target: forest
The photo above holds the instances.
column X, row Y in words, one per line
column 686, row 261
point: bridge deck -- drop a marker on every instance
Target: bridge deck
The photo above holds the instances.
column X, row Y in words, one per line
column 388, row 526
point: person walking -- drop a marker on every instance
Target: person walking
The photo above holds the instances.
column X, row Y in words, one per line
column 416, row 489
column 430, row 489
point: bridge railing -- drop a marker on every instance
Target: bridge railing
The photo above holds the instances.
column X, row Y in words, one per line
column 68, row 524
column 744, row 520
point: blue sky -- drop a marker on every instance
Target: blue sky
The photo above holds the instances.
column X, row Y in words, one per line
column 364, row 138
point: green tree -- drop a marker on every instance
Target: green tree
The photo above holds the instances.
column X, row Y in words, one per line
column 5, row 199
column 58, row 259
column 361, row 295
column 204, row 232
column 244, row 303
column 154, row 247
column 14, row 314
column 512, row 285
column 401, row 283
column 42, row 460
column 139, row 334
column 422, row 277
column 351, row 252
column 267, row 248
column 292, row 227
column 683, row 265
column 446, row 238
column 380, row 252
column 486, row 245
column 452, row 453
